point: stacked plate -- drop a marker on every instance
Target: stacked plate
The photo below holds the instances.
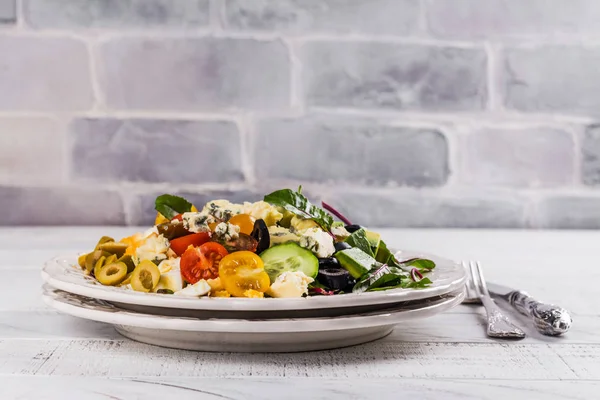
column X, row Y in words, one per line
column 250, row 325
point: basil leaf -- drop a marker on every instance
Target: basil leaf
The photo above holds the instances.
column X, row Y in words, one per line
column 296, row 203
column 359, row 239
column 169, row 205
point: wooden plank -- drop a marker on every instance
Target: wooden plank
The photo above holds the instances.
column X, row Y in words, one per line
column 92, row 388
column 23, row 291
column 445, row 328
column 121, row 358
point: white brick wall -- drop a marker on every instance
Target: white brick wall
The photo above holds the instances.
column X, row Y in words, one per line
column 425, row 113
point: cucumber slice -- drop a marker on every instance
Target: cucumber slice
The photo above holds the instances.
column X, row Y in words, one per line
column 289, row 257
column 355, row 261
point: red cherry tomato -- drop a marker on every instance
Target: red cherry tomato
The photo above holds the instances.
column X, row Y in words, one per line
column 178, row 217
column 180, row 245
column 202, row 262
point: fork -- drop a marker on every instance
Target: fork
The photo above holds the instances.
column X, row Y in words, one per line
column 498, row 325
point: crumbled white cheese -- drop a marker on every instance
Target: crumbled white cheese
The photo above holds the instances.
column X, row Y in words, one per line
column 197, row 222
column 279, row 235
column 153, row 248
column 227, row 231
column 340, row 231
column 171, row 280
column 262, row 210
column 222, row 210
column 290, row 284
column 318, row 241
column 168, row 265
column 299, row 224
column 198, row 289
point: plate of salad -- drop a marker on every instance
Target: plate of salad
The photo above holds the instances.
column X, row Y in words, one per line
column 280, row 253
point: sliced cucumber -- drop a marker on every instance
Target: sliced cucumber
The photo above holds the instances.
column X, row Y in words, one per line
column 289, row 257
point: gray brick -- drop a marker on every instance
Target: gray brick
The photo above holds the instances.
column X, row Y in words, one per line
column 569, row 212
column 394, row 76
column 44, row 74
column 156, row 151
column 31, row 149
column 413, row 210
column 395, row 17
column 504, row 18
column 8, row 11
column 519, row 157
column 555, row 79
column 590, row 149
column 143, row 212
column 195, row 74
column 60, row 206
column 71, row 14
column 353, row 151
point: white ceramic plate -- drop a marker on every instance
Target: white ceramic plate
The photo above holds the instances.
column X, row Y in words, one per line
column 63, row 273
column 245, row 335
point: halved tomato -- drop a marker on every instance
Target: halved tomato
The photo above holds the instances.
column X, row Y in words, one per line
column 178, row 217
column 202, row 262
column 243, row 274
column 180, row 245
column 244, row 221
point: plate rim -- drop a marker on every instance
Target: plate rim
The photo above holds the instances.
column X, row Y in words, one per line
column 244, row 304
column 284, row 325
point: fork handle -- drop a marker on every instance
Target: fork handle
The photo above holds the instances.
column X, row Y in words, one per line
column 548, row 319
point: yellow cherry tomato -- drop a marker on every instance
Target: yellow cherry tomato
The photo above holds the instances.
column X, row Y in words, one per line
column 244, row 221
column 242, row 271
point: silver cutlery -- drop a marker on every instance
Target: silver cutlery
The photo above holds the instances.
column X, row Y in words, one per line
column 548, row 319
column 498, row 325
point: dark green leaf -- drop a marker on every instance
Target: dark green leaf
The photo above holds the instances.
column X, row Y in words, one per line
column 410, row 284
column 359, row 239
column 169, row 205
column 421, row 264
column 296, row 203
column 379, row 276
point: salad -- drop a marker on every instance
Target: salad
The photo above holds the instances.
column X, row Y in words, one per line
column 282, row 246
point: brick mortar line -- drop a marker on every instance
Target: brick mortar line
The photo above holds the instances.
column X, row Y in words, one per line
column 93, row 59
column 411, row 118
column 245, row 128
column 217, row 20
column 578, row 157
column 494, row 99
column 296, row 81
column 137, row 188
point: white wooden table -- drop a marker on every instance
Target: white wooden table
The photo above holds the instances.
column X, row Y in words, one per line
column 46, row 355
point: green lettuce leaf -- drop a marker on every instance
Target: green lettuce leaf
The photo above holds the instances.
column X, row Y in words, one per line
column 359, row 239
column 296, row 203
column 170, row 205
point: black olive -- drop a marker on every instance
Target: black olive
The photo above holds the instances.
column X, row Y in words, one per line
column 260, row 232
column 339, row 246
column 172, row 230
column 334, row 278
column 353, row 228
column 350, row 285
column 329, row 262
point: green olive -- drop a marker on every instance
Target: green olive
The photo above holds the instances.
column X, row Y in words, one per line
column 127, row 280
column 116, row 248
column 99, row 264
column 103, row 239
column 112, row 274
column 145, row 277
column 92, row 258
column 127, row 260
column 81, row 260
